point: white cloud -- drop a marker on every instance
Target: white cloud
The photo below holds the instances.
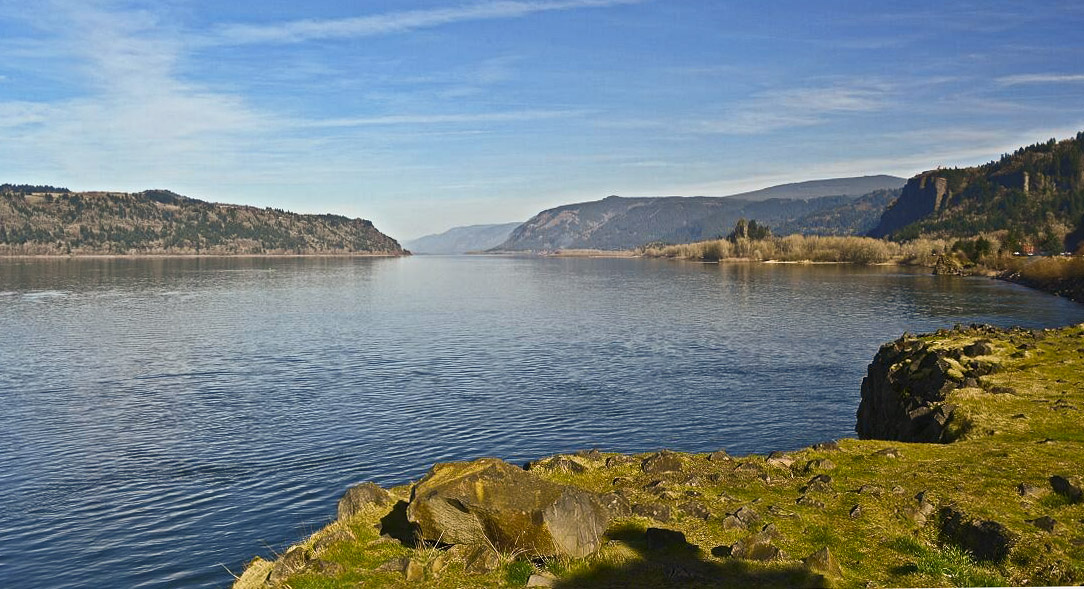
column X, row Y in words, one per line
column 1020, row 79
column 797, row 107
column 432, row 119
column 394, row 22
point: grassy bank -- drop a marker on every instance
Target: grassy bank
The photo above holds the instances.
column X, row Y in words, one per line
column 802, row 248
column 879, row 507
column 1060, row 276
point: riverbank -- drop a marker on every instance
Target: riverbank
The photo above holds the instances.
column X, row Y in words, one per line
column 997, row 501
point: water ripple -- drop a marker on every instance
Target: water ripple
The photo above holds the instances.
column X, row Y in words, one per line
column 165, row 420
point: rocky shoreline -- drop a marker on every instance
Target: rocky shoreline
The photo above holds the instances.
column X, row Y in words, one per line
column 967, row 472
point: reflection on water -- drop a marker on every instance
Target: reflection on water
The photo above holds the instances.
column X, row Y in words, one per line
column 165, row 417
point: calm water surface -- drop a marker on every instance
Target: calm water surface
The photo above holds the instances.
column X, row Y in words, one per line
column 164, row 420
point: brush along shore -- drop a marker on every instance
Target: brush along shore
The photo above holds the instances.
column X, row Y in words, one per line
column 977, row 484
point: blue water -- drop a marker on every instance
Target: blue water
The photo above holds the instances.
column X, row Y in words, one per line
column 162, row 421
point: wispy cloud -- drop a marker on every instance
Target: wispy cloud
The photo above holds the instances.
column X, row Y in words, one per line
column 798, row 107
column 1021, row 79
column 434, row 119
column 394, row 22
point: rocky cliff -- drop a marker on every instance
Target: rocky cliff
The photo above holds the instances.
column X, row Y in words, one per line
column 1033, row 196
column 922, row 195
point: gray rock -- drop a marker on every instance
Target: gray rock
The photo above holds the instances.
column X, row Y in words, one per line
column 359, row 497
column 1045, row 523
column 289, row 563
column 664, row 461
column 327, row 540
column 490, row 502
column 986, row 540
column 856, row 512
column 820, row 483
column 656, row 511
column 395, row 565
column 808, row 501
column 758, row 547
column 557, row 464
column 826, row 447
column 719, row 456
column 1026, row 490
column 543, row 579
column 619, row 460
column 982, row 347
column 1063, row 487
column 780, row 459
column 823, row 562
column 414, row 571
column 616, row 504
column 819, row 464
column 255, row 575
column 888, row 453
column 747, row 516
column 695, row 510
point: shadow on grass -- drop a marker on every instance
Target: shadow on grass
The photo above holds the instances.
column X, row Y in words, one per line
column 684, row 565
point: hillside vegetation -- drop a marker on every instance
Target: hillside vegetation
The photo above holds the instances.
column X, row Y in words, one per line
column 37, row 220
column 1033, row 198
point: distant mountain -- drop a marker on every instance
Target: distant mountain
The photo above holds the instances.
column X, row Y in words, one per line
column 47, row 220
column 856, row 217
column 1034, row 194
column 855, row 187
column 623, row 223
column 460, row 240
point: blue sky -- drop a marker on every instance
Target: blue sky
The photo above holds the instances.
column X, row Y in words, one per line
column 425, row 114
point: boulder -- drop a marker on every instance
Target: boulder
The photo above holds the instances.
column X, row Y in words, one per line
column 824, row 563
column 904, row 391
column 255, row 575
column 759, row 546
column 821, row 482
column 987, row 540
column 490, row 502
column 543, row 579
column 664, row 461
column 656, row 511
column 695, row 509
column 616, row 504
column 289, row 563
column 358, row 497
column 982, row 347
column 1063, row 487
column 557, row 464
column 819, row 464
column 719, row 456
column 1045, row 523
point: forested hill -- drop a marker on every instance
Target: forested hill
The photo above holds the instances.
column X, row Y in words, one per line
column 39, row 220
column 1034, row 196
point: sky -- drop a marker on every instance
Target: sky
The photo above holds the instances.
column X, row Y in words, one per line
column 426, row 114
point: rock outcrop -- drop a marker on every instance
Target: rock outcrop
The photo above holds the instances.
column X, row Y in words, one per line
column 490, row 502
column 922, row 195
column 904, row 391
